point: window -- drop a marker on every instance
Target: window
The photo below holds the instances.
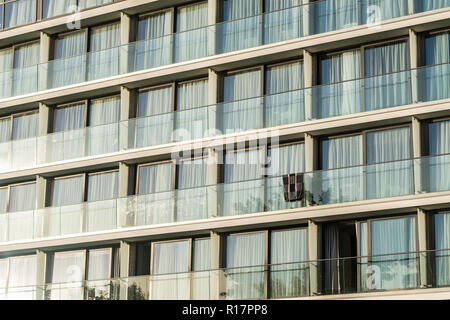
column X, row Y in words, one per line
column 442, row 246
column 17, row 12
column 248, row 253
column 19, row 126
column 101, row 42
column 439, row 151
column 18, row 277
column 70, row 268
column 171, row 263
column 100, row 116
column 52, row 8
column 390, row 245
column 437, row 60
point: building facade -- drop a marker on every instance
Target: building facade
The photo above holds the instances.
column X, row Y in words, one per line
column 146, row 146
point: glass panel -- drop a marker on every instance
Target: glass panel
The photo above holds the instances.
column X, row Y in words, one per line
column 67, row 274
column 67, row 191
column 3, row 199
column 25, row 126
column 336, row 14
column 69, row 65
column 69, row 118
column 280, row 24
column 99, row 270
column 104, row 63
column 437, row 52
column 289, row 248
column 52, row 8
column 22, row 274
column 25, row 76
column 170, row 261
column 84, row 4
column 245, row 250
column 201, row 265
column 20, row 12
column 5, row 72
column 442, row 242
column 22, row 197
column 5, row 130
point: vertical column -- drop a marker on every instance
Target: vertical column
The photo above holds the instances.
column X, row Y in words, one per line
column 309, row 72
column 126, row 205
column 307, row 17
column 213, row 14
column 40, row 274
column 314, row 243
column 42, row 147
column 124, row 269
column 415, row 56
column 44, row 56
column 127, row 35
column 417, row 163
column 422, row 235
column 217, row 276
column 127, row 123
column 214, row 96
column 312, row 179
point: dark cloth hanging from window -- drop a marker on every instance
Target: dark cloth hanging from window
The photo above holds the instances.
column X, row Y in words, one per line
column 293, row 187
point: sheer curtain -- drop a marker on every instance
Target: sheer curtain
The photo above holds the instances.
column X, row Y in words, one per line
column 437, row 74
column 439, row 144
column 191, row 40
column 155, row 117
column 3, row 199
column 5, row 130
column 244, row 274
column 385, row 9
column 386, row 77
column 22, row 278
column 69, row 66
column 393, row 178
column 5, row 72
column 342, row 178
column 19, row 12
column 192, row 121
column 22, row 202
column 282, row 160
column 52, row 8
column 284, row 101
column 67, row 275
column 104, row 51
column 155, row 200
column 442, row 242
column 393, row 236
column 83, row 4
column 154, row 48
column 69, row 137
column 201, row 266
column 170, row 279
column 289, row 275
column 335, row 14
column 435, row 4
column 25, row 74
column 4, row 263
column 5, row 145
column 104, row 117
column 242, row 107
column 340, row 93
column 241, row 28
column 244, row 185
column 25, row 129
column 99, row 273
column 282, row 20
column 102, row 191
column 192, row 202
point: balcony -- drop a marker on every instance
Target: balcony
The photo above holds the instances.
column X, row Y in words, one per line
column 363, row 275
column 376, row 181
column 271, row 27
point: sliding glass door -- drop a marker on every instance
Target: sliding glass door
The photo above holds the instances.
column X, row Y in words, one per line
column 438, row 164
column 68, row 272
column 283, row 20
column 442, row 246
column 25, row 68
column 18, row 278
column 437, row 72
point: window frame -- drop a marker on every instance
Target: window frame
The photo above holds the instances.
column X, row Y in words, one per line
column 16, row 115
column 8, row 196
column 8, row 269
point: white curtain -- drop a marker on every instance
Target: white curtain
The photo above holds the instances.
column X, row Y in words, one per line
column 245, row 256
column 192, row 201
column 104, row 52
column 282, row 20
column 201, row 265
column 24, row 148
column 3, row 277
column 22, row 202
column 289, row 273
column 282, row 160
column 104, row 116
column 335, row 14
column 25, row 74
column 155, row 200
column 102, row 191
column 393, row 236
column 20, row 12
column 386, row 77
column 242, row 107
column 69, row 66
column 22, row 197
column 340, row 93
column 5, row 72
column 393, row 178
column 434, row 4
column 5, row 130
column 191, row 120
column 83, row 4
column 155, row 117
column 170, row 280
column 284, row 101
column 243, row 188
column 339, row 183
column 3, row 199
column 67, row 275
column 69, row 138
column 99, row 273
column 191, row 40
column 384, row 10
column 5, row 144
column 22, row 278
column 439, row 150
column 26, row 126
column 442, row 242
column 437, row 72
column 52, row 8
column 241, row 28
column 154, row 48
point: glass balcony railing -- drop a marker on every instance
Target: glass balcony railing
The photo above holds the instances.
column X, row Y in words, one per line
column 271, row 27
column 319, row 102
column 375, row 181
column 352, row 275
